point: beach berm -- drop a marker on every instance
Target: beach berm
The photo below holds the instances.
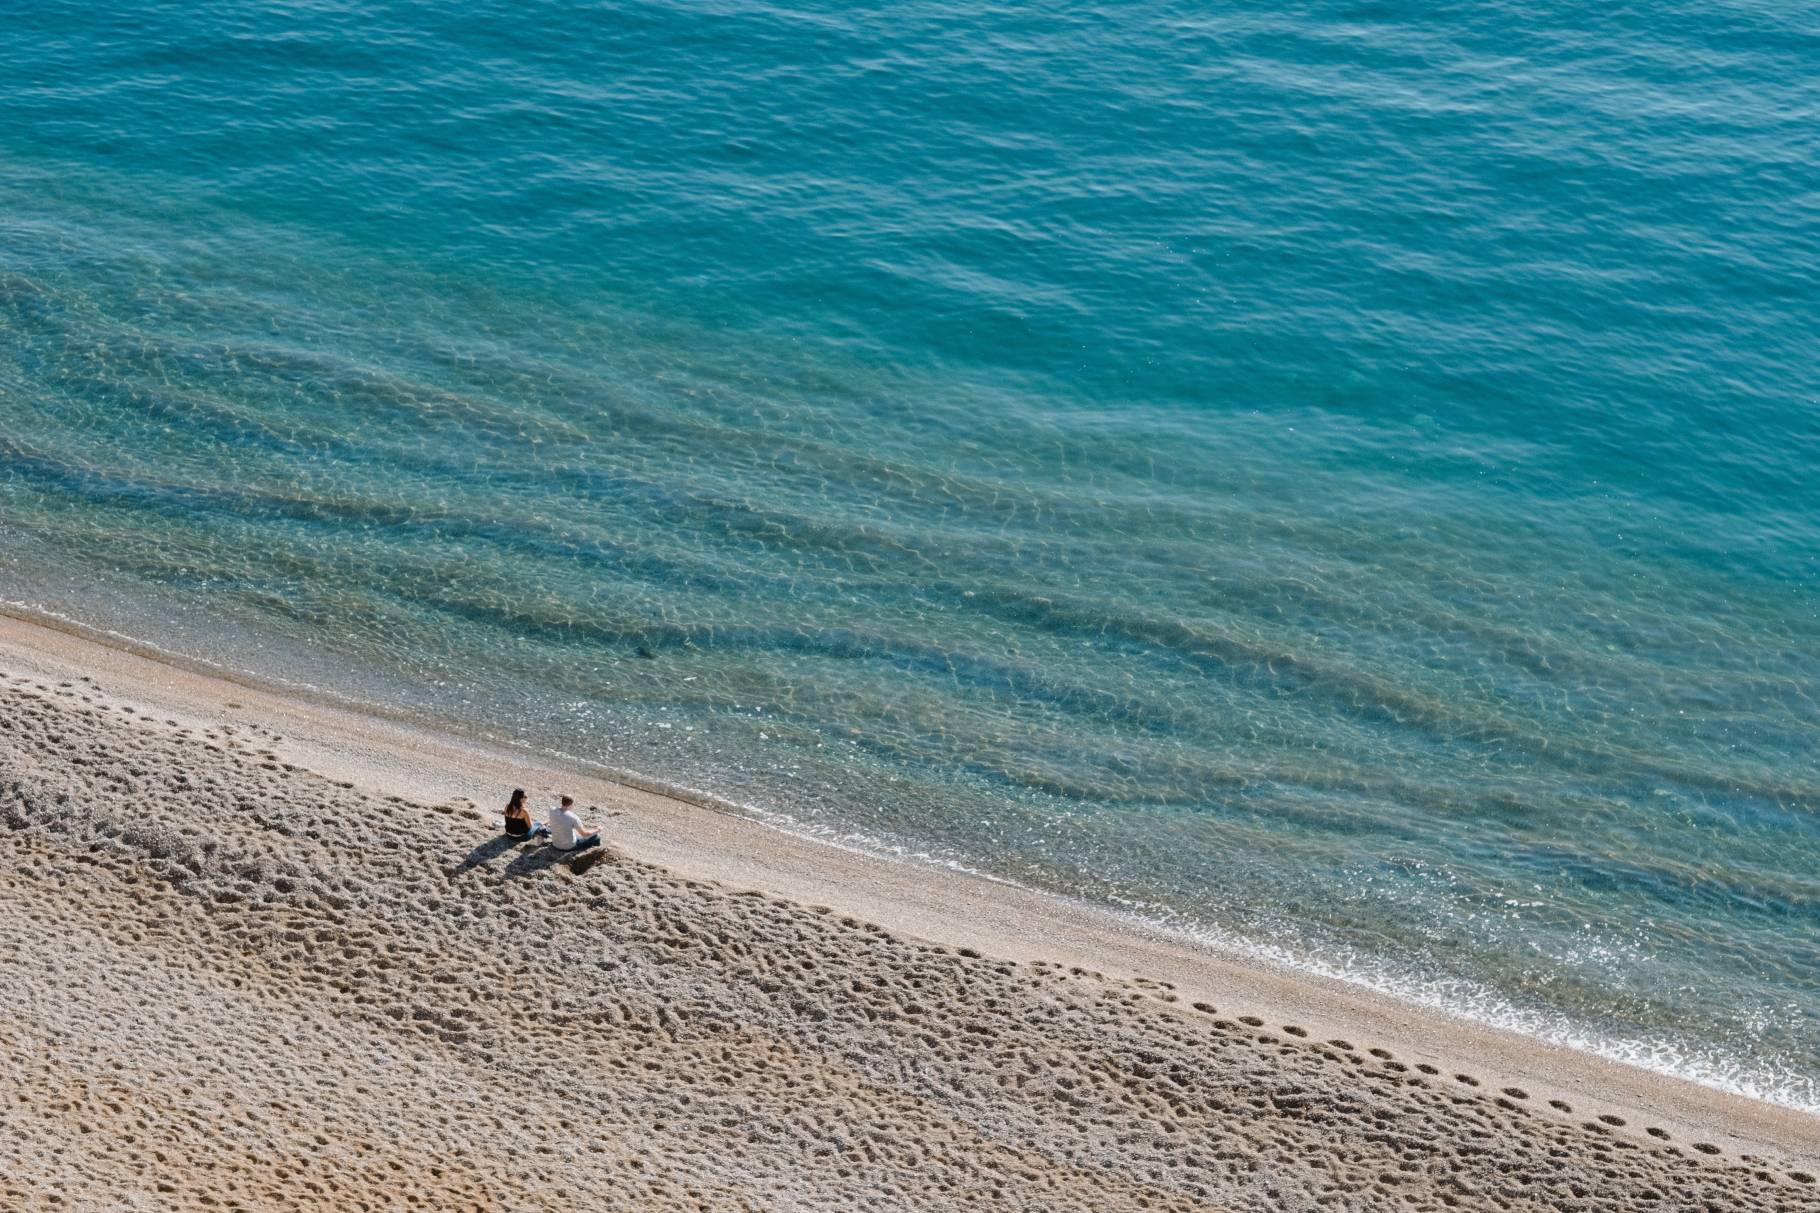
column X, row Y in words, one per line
column 233, row 982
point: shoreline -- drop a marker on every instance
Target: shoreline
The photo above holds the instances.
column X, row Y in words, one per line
column 389, row 757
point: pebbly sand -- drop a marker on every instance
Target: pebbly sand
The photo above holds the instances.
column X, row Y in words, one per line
column 262, row 953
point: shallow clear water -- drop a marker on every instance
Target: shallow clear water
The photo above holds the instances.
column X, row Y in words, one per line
column 1339, row 480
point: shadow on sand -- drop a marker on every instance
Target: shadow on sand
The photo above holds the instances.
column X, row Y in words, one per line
column 541, row 858
column 534, row 855
column 532, row 860
column 486, row 852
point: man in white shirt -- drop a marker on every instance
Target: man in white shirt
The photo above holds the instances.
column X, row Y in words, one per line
column 566, row 830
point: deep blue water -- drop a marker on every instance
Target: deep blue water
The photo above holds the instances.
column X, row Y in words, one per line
column 1336, row 479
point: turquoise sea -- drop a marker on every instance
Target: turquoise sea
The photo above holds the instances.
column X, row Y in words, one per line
column 1338, row 480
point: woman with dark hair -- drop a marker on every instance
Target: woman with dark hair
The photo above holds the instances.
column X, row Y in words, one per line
column 518, row 818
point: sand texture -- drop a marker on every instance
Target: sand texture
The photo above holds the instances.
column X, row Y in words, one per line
column 229, row 982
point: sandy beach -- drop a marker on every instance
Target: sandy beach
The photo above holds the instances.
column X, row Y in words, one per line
column 262, row 952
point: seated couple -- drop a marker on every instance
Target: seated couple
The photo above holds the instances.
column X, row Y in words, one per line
column 565, row 831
